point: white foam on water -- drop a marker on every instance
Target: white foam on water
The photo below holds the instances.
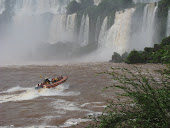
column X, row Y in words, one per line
column 72, row 122
column 27, row 95
column 40, row 126
column 104, row 106
column 94, row 114
column 62, row 106
column 65, row 105
column 86, row 104
column 31, row 93
column 47, row 119
column 15, row 89
column 58, row 91
column 51, row 117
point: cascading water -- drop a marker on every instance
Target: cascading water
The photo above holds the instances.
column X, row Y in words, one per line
column 57, row 29
column 168, row 24
column 42, row 6
column 98, row 27
column 118, row 35
column 115, row 39
column 37, row 21
column 70, row 24
column 149, row 22
column 84, row 31
column 34, row 22
column 103, row 32
column 97, row 2
column 2, row 6
column 145, row 1
column 144, row 35
column 62, row 28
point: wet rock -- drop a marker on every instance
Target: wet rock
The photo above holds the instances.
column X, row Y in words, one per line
column 148, row 49
column 116, row 58
column 124, row 56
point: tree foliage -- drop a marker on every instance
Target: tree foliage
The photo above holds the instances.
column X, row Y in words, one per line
column 148, row 107
column 73, row 7
column 134, row 57
column 160, row 53
column 163, row 7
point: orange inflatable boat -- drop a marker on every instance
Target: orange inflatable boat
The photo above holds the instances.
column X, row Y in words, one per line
column 53, row 83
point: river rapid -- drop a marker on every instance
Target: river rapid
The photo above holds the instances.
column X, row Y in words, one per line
column 66, row 105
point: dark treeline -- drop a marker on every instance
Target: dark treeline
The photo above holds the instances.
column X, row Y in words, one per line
column 160, row 53
column 163, row 7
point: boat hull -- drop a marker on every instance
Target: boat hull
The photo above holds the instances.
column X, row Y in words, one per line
column 52, row 85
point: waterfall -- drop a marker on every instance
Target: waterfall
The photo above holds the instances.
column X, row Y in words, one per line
column 168, row 24
column 33, row 13
column 114, row 39
column 42, row 6
column 35, row 22
column 149, row 22
column 118, row 35
column 62, row 28
column 103, row 32
column 70, row 28
column 98, row 25
column 2, row 6
column 71, row 23
column 145, row 1
column 39, row 22
column 57, row 29
column 37, row 14
column 84, row 31
column 144, row 28
column 97, row 2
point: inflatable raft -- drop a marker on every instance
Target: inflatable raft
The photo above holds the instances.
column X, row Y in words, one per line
column 52, row 84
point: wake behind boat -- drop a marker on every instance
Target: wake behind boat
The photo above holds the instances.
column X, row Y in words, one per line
column 51, row 83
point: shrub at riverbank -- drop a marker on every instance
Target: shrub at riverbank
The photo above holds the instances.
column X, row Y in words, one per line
column 159, row 54
column 149, row 106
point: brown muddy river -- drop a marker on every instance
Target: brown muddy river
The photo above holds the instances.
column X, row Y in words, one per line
column 66, row 105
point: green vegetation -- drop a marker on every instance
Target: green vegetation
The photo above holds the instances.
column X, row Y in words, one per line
column 163, row 7
column 105, row 7
column 147, row 104
column 159, row 54
column 73, row 7
column 86, row 3
column 134, row 57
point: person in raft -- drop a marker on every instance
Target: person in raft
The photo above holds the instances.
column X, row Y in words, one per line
column 46, row 81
